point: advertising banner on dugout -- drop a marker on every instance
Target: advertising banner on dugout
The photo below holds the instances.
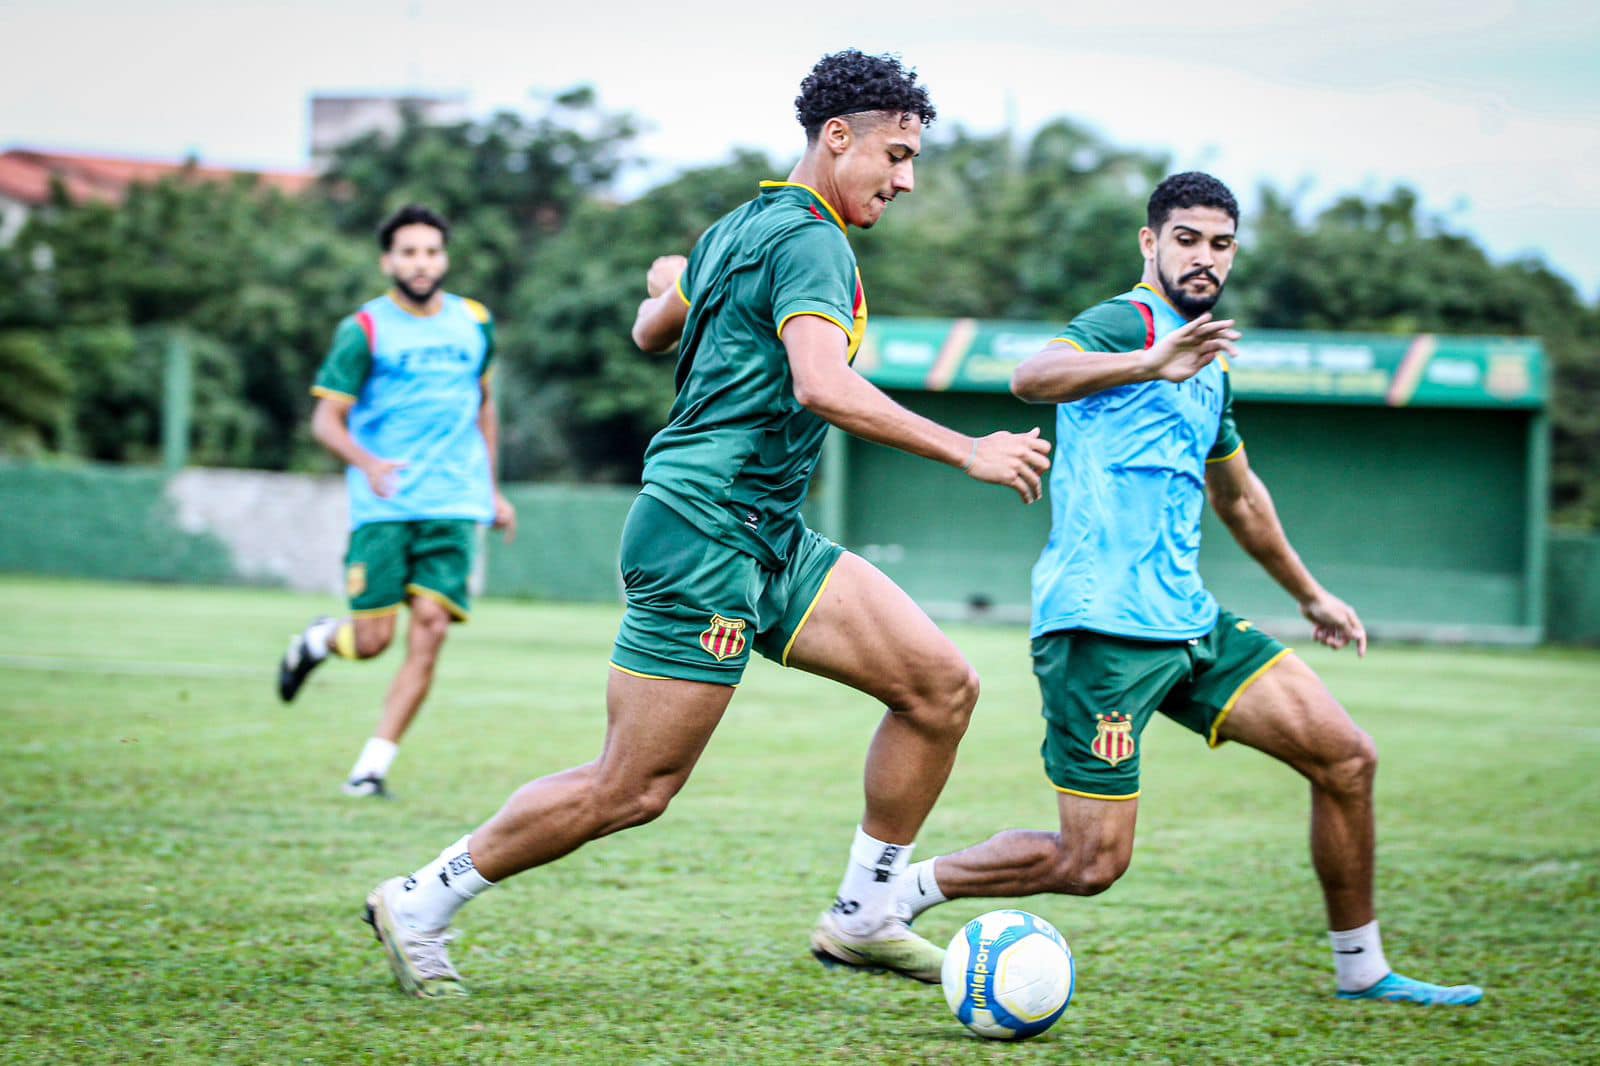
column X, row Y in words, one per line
column 1394, row 370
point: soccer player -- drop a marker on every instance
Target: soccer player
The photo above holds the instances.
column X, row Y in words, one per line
column 404, row 399
column 1123, row 626
column 767, row 313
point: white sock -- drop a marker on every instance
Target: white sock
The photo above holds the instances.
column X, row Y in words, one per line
column 917, row 889
column 868, row 886
column 1358, row 960
column 319, row 635
column 375, row 759
column 434, row 893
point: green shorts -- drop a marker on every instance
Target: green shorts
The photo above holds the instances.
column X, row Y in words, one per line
column 1099, row 691
column 696, row 605
column 389, row 562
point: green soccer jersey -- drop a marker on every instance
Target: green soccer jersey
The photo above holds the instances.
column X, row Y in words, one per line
column 738, row 451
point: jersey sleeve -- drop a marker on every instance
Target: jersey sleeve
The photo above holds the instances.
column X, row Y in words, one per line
column 480, row 314
column 813, row 273
column 1113, row 326
column 1229, row 443
column 349, row 360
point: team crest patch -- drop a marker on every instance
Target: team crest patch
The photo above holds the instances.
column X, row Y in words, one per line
column 355, row 579
column 725, row 638
column 1113, row 738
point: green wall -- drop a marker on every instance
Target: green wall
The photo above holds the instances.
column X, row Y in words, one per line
column 1423, row 532
column 101, row 521
column 1574, row 597
column 1417, row 516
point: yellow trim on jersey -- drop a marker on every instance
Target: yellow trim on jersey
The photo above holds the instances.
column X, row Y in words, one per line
column 455, row 609
column 1225, row 458
column 812, row 606
column 849, row 337
column 1159, row 295
column 635, row 673
column 1227, row 708
column 813, row 192
column 1092, row 795
column 1066, row 340
column 325, row 393
column 478, row 311
column 488, row 373
column 677, row 283
column 1226, row 369
column 376, row 612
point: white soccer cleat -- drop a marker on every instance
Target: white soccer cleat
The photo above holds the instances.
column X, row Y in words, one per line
column 892, row 947
column 420, row 961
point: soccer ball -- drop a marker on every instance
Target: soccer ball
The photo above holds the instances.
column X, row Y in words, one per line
column 1008, row 975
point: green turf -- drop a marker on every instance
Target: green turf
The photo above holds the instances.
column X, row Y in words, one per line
column 181, row 877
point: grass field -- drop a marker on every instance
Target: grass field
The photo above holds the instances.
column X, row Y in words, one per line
column 181, row 877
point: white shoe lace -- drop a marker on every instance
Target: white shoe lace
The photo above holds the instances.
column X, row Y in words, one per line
column 428, row 955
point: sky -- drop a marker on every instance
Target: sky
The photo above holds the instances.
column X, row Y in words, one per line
column 1491, row 110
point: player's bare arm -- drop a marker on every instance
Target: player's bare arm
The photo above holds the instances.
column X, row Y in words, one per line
column 659, row 322
column 505, row 515
column 1060, row 373
column 1242, row 501
column 825, row 384
column 330, row 425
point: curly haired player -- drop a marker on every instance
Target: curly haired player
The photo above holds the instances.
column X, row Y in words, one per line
column 767, row 312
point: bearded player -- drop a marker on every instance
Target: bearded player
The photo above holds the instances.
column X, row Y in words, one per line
column 1123, row 626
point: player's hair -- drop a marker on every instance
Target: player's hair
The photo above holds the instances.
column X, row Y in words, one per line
column 849, row 82
column 1189, row 189
column 411, row 215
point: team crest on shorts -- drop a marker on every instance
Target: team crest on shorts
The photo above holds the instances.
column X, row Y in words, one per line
column 355, row 579
column 1113, row 738
column 725, row 638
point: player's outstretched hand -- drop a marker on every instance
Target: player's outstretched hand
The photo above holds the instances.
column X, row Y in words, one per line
column 1017, row 460
column 1183, row 353
column 505, row 517
column 663, row 273
column 381, row 475
column 1335, row 623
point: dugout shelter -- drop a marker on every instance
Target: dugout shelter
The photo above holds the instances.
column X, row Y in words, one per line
column 1411, row 473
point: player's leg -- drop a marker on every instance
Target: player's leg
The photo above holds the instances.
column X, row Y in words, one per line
column 1098, row 692
column 437, row 566
column 656, row 727
column 861, row 629
column 655, row 732
column 430, row 623
column 1287, row 712
column 1086, row 856
column 375, row 580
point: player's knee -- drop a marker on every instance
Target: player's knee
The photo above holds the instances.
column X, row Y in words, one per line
column 1355, row 766
column 629, row 805
column 1349, row 765
column 1087, row 871
column 371, row 643
column 949, row 699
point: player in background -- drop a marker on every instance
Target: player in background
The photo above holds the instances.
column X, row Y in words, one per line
column 1123, row 626
column 404, row 399
column 767, row 312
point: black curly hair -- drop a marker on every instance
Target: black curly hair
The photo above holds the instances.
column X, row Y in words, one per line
column 1189, row 189
column 411, row 215
column 850, row 82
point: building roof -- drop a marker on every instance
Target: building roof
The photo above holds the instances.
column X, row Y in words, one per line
column 25, row 175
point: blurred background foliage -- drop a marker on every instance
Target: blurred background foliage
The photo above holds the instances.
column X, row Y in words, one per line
column 997, row 228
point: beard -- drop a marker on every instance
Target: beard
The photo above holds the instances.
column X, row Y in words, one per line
column 419, row 295
column 1187, row 305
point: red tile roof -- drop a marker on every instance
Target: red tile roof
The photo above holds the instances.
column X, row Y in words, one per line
column 25, row 175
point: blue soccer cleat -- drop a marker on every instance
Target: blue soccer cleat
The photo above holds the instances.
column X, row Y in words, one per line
column 1397, row 988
